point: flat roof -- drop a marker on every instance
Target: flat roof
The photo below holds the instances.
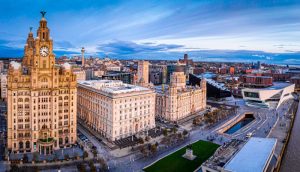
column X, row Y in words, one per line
column 112, row 86
column 278, row 86
column 253, row 156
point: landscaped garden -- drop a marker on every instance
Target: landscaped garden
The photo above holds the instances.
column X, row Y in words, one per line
column 176, row 163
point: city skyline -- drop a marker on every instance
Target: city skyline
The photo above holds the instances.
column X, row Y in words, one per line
column 207, row 30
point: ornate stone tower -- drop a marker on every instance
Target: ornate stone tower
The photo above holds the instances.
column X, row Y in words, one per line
column 41, row 98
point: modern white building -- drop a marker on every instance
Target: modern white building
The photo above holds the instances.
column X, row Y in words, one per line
column 114, row 109
column 255, row 155
column 270, row 97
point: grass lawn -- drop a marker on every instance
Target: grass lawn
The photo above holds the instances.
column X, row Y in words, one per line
column 176, row 163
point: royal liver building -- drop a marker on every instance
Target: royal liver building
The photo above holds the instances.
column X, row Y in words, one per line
column 41, row 98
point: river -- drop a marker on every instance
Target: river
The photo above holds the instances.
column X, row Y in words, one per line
column 291, row 158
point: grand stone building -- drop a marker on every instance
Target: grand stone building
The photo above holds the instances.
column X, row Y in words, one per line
column 177, row 100
column 41, row 98
column 114, row 109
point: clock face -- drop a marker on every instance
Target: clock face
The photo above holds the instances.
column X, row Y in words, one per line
column 44, row 51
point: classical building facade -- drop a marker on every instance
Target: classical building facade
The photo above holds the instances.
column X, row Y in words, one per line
column 114, row 109
column 41, row 98
column 177, row 100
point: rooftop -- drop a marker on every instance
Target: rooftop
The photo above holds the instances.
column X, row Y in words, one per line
column 223, row 154
column 112, row 86
column 253, row 156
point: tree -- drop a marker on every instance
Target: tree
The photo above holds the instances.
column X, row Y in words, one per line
column 25, row 158
column 165, row 132
column 179, row 135
column 67, row 157
column 56, row 156
column 14, row 168
column 85, row 155
column 153, row 149
column 141, row 140
column 81, row 167
column 174, row 130
column 104, row 166
column 143, row 150
column 35, row 156
column 92, row 166
column 95, row 152
column 185, row 132
column 75, row 155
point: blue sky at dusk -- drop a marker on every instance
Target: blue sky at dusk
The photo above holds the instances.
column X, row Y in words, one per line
column 208, row 30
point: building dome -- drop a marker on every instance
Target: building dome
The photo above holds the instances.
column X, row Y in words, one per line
column 15, row 65
column 66, row 66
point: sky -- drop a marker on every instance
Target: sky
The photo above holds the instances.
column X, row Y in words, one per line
column 208, row 30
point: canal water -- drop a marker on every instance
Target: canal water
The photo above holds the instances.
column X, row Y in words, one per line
column 291, row 158
column 242, row 123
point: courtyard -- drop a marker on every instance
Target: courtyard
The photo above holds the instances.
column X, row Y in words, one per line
column 176, row 163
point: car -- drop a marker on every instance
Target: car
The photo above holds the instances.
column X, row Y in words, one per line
column 249, row 135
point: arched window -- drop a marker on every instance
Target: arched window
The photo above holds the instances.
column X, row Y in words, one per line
column 26, row 99
column 66, row 98
column 60, row 141
column 20, row 100
column 27, row 144
column 21, row 145
column 66, row 140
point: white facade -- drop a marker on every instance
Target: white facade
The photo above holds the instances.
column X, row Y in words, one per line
column 114, row 109
column 270, row 97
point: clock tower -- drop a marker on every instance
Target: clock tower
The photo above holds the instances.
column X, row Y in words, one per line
column 39, row 51
column 41, row 98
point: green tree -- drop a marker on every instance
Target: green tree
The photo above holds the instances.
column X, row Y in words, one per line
column 81, row 167
column 141, row 140
column 153, row 149
column 95, row 152
column 25, row 158
column 185, row 132
column 92, row 166
column 165, row 132
column 14, row 168
column 85, row 155
column 67, row 157
column 174, row 130
column 35, row 156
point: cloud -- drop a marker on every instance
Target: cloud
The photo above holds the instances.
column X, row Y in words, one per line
column 127, row 47
column 63, row 45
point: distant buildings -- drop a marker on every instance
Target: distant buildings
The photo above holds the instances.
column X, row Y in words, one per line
column 80, row 74
column 296, row 81
column 214, row 89
column 256, row 81
column 177, row 101
column 122, row 76
column 158, row 74
column 41, row 112
column 3, row 86
column 143, row 73
column 114, row 109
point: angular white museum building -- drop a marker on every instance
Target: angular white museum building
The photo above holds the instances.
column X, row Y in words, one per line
column 270, row 97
